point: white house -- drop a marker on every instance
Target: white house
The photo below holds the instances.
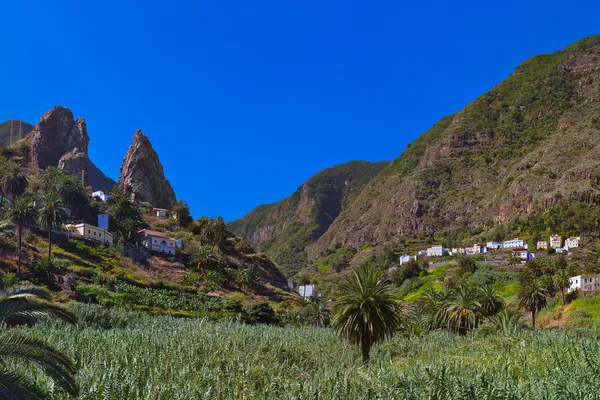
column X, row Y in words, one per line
column 513, row 243
column 159, row 241
column 492, row 245
column 573, row 242
column 437, row 250
column 404, row 259
column 585, row 283
column 476, row 249
column 556, row 241
column 306, row 290
column 91, row 232
column 103, row 196
column 160, row 212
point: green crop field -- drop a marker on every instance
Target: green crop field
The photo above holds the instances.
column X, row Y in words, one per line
column 124, row 355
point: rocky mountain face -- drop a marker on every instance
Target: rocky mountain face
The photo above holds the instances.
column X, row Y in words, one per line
column 142, row 174
column 58, row 139
column 524, row 145
column 283, row 230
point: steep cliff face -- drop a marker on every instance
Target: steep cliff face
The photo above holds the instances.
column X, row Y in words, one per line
column 532, row 139
column 284, row 229
column 142, row 174
column 59, row 139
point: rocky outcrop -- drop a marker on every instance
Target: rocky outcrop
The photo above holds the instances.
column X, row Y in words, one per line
column 58, row 139
column 142, row 174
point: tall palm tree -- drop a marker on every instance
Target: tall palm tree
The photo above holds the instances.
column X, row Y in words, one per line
column 181, row 212
column 533, row 297
column 561, row 281
column 366, row 310
column 21, row 213
column 27, row 304
column 51, row 216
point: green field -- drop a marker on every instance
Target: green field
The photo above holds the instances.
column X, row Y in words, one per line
column 127, row 356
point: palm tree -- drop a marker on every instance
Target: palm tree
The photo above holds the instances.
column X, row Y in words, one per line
column 533, row 297
column 13, row 182
column 21, row 213
column 561, row 281
column 51, row 216
column 316, row 313
column 181, row 211
column 462, row 308
column 491, row 302
column 366, row 310
column 27, row 304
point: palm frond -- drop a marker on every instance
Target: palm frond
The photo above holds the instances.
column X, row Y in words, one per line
column 15, row 386
column 33, row 308
column 54, row 363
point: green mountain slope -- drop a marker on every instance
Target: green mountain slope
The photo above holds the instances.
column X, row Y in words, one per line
column 284, row 229
column 5, row 131
column 528, row 143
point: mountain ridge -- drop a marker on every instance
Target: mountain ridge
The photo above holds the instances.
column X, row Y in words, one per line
column 285, row 228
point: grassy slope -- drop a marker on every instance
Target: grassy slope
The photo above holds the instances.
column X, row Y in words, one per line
column 183, row 359
column 285, row 228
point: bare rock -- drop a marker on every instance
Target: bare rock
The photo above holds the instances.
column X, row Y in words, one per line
column 142, row 174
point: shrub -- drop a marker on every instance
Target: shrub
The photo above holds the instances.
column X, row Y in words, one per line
column 190, row 279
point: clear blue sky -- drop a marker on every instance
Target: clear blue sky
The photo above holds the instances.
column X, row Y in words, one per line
column 244, row 100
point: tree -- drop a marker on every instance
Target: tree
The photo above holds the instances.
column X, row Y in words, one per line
column 561, row 281
column 21, row 213
column 27, row 304
column 51, row 216
column 532, row 297
column 12, row 181
column 125, row 215
column 491, row 303
column 316, row 313
column 181, row 211
column 462, row 308
column 366, row 310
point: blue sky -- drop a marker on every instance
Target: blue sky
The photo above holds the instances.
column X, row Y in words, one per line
column 245, row 100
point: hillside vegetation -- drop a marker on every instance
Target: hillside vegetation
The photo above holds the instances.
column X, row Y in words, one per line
column 5, row 131
column 284, row 229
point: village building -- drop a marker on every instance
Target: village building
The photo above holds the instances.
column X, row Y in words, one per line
column 492, row 245
column 542, row 245
column 306, row 291
column 101, row 195
column 585, row 283
column 572, row 242
column 457, row 251
column 523, row 255
column 159, row 242
column 436, row 250
column 513, row 243
column 90, row 232
column 160, row 212
column 406, row 258
column 474, row 250
column 556, row 241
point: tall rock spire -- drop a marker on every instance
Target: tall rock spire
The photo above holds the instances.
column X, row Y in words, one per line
column 142, row 174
